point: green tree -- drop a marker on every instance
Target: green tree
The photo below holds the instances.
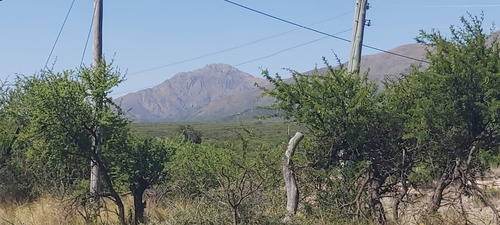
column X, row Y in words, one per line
column 453, row 108
column 137, row 164
column 10, row 188
column 7, row 136
column 66, row 112
column 356, row 143
column 189, row 134
column 231, row 174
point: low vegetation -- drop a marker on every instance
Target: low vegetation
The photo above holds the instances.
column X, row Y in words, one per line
column 270, row 133
column 419, row 151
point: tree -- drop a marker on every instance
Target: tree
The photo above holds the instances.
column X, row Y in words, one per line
column 67, row 110
column 137, row 164
column 453, row 108
column 9, row 131
column 228, row 174
column 343, row 113
column 189, row 134
column 7, row 137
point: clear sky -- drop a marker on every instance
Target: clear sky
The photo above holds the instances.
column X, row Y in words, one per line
column 152, row 40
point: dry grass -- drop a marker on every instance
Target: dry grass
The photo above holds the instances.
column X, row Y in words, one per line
column 476, row 212
column 51, row 211
column 48, row 210
column 42, row 211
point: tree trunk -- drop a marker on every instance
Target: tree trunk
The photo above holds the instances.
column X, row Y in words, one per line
column 292, row 191
column 397, row 201
column 437, row 194
column 374, row 195
column 236, row 218
column 112, row 191
column 116, row 196
column 139, row 205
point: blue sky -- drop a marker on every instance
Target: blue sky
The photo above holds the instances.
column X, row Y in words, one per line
column 150, row 41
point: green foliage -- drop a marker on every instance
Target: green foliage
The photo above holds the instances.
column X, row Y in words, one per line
column 189, row 134
column 234, row 174
column 268, row 133
column 454, row 103
column 420, row 176
column 63, row 111
column 434, row 126
column 357, row 139
column 449, row 111
column 490, row 158
column 6, row 128
column 137, row 161
column 335, row 107
column 60, row 117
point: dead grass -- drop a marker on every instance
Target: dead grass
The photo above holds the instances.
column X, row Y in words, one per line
column 476, row 212
column 44, row 211
column 51, row 211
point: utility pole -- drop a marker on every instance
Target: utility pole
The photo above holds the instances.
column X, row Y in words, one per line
column 357, row 36
column 97, row 32
column 95, row 181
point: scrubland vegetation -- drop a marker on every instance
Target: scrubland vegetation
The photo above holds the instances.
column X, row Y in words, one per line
column 419, row 150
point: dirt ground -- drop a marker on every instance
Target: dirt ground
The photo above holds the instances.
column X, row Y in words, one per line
column 451, row 211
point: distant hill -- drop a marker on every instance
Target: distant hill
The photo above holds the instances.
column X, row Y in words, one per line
column 222, row 92
column 387, row 64
column 215, row 91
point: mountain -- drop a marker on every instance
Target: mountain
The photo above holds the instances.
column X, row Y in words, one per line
column 387, row 64
column 194, row 95
column 220, row 91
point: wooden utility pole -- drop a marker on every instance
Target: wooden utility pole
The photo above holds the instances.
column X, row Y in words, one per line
column 97, row 32
column 95, row 171
column 357, row 36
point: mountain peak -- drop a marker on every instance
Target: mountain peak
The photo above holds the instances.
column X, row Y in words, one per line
column 178, row 97
column 221, row 67
column 220, row 91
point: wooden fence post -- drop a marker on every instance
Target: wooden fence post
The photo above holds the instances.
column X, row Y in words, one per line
column 292, row 191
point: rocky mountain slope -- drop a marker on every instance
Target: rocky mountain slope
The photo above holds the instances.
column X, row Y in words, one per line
column 188, row 94
column 220, row 91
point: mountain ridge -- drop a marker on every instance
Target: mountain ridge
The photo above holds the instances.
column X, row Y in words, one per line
column 219, row 91
column 179, row 97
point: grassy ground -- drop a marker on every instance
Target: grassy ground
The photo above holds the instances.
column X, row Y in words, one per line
column 49, row 210
column 270, row 133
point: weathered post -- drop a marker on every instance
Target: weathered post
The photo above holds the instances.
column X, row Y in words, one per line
column 292, row 191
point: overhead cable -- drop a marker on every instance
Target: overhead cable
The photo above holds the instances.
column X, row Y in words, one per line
column 59, row 34
column 232, row 48
column 290, row 48
column 323, row 33
column 88, row 37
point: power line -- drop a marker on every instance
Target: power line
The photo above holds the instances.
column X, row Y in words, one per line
column 286, row 21
column 323, row 33
column 448, row 6
column 213, row 53
column 59, row 34
column 88, row 37
column 253, row 60
column 235, row 47
column 130, row 90
column 278, row 52
column 290, row 48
